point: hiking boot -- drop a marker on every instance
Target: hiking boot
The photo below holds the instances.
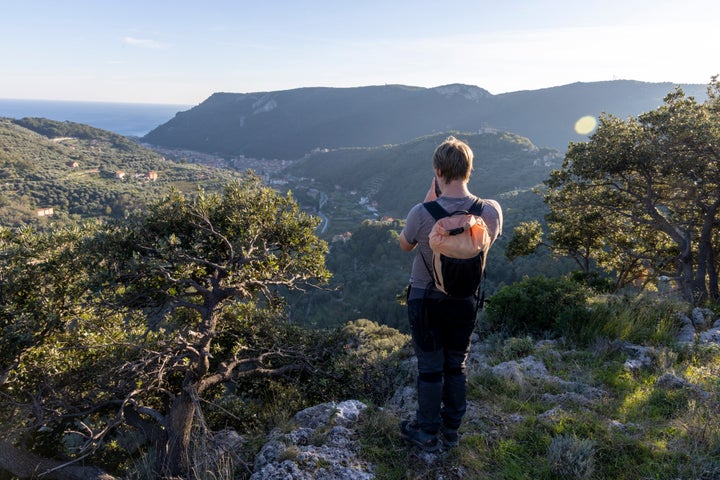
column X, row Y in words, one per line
column 449, row 436
column 412, row 433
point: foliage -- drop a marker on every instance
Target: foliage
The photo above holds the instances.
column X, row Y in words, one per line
column 526, row 238
column 150, row 316
column 535, row 305
column 359, row 360
column 72, row 168
column 571, row 457
column 516, row 348
column 31, row 309
column 371, row 362
column 562, row 307
column 369, row 273
column 639, row 320
column 641, row 197
column 55, row 129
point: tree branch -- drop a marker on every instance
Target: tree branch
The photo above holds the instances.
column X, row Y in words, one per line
column 29, row 465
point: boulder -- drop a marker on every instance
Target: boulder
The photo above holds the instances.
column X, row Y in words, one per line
column 321, row 446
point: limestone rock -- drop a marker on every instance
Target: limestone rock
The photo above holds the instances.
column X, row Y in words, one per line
column 321, row 447
column 710, row 336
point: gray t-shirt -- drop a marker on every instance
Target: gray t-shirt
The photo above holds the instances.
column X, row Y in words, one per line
column 419, row 222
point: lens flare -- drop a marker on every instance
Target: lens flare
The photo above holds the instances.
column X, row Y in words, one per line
column 585, row 125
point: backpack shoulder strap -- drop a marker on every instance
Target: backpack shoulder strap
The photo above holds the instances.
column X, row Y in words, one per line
column 436, row 210
column 477, row 207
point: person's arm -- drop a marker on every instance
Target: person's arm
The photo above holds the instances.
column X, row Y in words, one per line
column 404, row 244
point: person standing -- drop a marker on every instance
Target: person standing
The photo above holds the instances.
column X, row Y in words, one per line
column 441, row 326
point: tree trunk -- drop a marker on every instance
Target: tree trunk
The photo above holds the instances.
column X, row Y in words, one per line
column 686, row 273
column 713, row 284
column 705, row 268
column 706, row 257
column 687, row 282
column 179, row 428
column 28, row 465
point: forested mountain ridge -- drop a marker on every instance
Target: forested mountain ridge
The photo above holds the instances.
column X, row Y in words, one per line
column 395, row 177
column 291, row 123
column 61, row 169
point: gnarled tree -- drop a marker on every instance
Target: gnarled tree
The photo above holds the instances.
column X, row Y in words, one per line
column 163, row 311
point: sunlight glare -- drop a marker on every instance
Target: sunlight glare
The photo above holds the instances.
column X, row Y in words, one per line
column 585, row 125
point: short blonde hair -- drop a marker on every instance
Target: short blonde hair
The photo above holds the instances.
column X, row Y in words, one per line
column 454, row 159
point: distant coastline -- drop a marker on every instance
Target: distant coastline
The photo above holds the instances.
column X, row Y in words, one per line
column 129, row 119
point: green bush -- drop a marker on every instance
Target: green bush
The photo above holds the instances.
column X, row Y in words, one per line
column 580, row 324
column 536, row 305
column 640, row 320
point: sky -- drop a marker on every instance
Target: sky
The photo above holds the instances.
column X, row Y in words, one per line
column 181, row 52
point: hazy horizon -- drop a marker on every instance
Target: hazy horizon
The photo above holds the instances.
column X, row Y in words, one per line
column 188, row 105
column 129, row 119
column 181, row 53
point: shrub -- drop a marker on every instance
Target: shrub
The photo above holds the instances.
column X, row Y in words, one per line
column 369, row 360
column 516, row 348
column 640, row 320
column 571, row 458
column 580, row 324
column 597, row 281
column 535, row 305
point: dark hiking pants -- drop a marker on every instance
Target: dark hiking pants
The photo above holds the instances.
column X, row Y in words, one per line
column 441, row 328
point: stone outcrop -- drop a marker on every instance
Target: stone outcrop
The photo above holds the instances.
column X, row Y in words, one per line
column 321, row 445
column 701, row 325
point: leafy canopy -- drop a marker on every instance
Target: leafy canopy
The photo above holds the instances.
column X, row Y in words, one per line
column 642, row 196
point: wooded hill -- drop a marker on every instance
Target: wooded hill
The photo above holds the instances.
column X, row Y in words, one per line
column 291, row 123
column 60, row 169
column 397, row 177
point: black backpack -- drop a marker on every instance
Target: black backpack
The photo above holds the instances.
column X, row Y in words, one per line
column 459, row 244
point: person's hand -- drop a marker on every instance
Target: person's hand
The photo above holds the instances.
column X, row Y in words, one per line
column 431, row 194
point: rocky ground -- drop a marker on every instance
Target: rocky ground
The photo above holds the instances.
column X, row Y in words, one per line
column 322, row 442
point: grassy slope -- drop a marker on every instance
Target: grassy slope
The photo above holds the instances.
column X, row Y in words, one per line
column 583, row 412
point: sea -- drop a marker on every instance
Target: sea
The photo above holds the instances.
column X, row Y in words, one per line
column 128, row 119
